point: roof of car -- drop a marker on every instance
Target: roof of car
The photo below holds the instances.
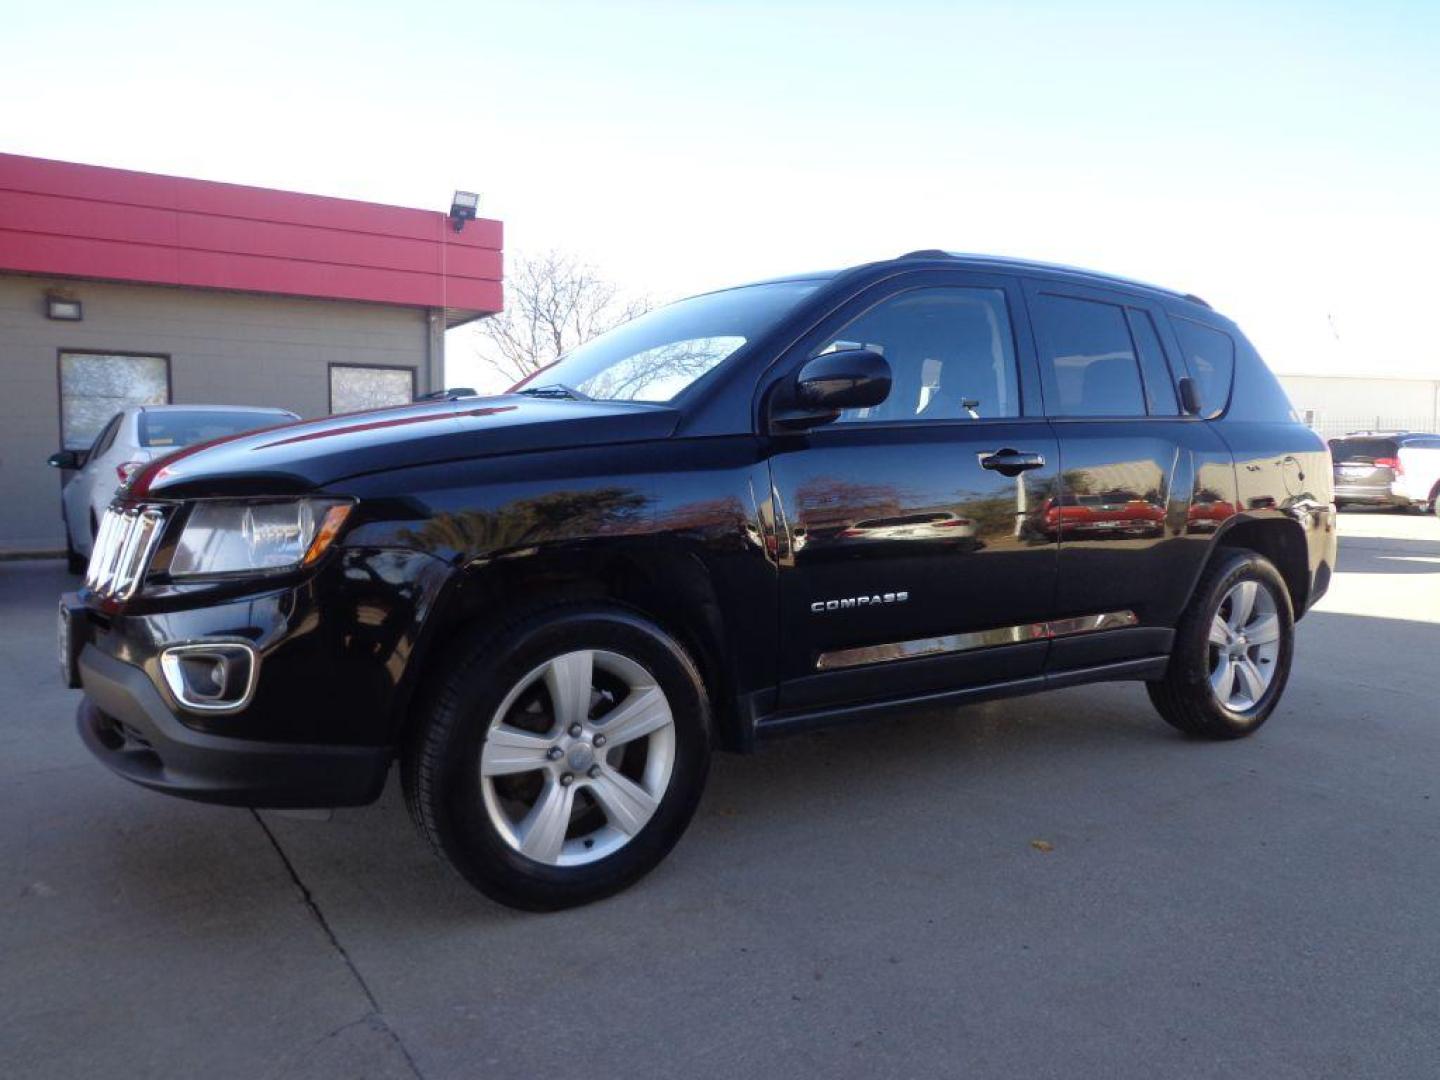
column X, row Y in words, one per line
column 995, row 262
column 1386, row 435
column 216, row 408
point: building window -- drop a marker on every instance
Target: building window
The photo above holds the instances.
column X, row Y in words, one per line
column 355, row 386
column 96, row 386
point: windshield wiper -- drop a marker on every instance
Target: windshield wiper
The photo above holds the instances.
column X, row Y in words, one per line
column 556, row 390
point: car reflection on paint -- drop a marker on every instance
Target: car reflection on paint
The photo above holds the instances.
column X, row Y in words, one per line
column 1098, row 517
column 933, row 530
column 1207, row 515
column 937, row 526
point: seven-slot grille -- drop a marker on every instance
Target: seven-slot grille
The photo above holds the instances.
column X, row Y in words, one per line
column 123, row 547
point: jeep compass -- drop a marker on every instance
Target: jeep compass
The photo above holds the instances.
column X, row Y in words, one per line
column 921, row 482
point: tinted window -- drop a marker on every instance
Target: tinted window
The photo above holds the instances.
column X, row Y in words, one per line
column 1159, row 384
column 179, row 428
column 1363, row 449
column 951, row 354
column 1087, row 359
column 1211, row 355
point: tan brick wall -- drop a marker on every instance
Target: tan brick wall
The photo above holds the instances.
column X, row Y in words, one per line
column 224, row 349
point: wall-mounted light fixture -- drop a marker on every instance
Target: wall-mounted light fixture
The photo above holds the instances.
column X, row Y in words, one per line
column 64, row 308
column 463, row 207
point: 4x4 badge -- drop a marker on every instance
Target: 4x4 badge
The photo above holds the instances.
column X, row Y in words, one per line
column 820, row 607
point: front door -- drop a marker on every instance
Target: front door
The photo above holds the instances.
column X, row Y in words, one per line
column 913, row 551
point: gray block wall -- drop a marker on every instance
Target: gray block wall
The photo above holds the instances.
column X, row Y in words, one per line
column 224, row 349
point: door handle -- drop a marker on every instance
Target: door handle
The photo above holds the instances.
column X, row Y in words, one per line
column 1012, row 462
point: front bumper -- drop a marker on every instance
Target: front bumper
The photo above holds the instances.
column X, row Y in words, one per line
column 321, row 715
column 125, row 722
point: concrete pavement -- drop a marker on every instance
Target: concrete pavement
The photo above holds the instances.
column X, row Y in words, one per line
column 864, row 902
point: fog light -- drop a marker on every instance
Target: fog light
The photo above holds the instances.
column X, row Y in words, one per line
column 210, row 676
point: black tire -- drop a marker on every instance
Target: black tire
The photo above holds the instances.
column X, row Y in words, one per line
column 440, row 770
column 75, row 563
column 1184, row 697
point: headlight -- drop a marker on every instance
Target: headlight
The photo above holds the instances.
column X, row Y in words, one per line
column 225, row 537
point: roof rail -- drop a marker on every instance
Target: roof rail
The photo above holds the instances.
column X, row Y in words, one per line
column 926, row 253
column 1197, row 300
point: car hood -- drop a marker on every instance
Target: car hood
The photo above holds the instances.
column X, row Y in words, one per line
column 313, row 454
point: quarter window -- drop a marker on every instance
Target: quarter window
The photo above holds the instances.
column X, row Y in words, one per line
column 1211, row 355
column 951, row 352
column 1087, row 359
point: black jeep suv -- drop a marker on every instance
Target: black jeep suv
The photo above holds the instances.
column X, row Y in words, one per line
column 919, row 482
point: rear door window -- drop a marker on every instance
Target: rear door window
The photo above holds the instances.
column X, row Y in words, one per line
column 1087, row 358
column 1210, row 354
column 1159, row 383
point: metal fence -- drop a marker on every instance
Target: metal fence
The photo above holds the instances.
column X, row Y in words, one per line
column 1330, row 426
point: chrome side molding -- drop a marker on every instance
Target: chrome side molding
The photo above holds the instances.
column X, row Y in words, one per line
column 975, row 639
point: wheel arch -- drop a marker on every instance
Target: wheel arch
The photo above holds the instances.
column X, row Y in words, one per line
column 1280, row 539
column 671, row 589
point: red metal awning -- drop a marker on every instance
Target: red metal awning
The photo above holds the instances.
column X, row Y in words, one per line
column 84, row 221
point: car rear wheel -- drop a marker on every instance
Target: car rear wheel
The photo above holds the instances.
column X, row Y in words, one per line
column 558, row 760
column 1232, row 652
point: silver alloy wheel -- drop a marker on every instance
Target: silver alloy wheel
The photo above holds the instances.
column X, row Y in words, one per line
column 1244, row 645
column 577, row 757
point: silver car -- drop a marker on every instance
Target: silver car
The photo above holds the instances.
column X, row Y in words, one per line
column 131, row 439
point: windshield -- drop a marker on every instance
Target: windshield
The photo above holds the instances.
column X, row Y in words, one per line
column 655, row 357
column 185, row 428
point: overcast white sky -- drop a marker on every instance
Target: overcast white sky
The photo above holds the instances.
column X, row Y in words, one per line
column 1281, row 161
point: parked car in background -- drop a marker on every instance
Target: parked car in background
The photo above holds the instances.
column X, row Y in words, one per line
column 131, row 439
column 1398, row 468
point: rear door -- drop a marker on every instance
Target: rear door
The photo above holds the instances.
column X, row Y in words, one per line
column 1142, row 487
column 912, row 558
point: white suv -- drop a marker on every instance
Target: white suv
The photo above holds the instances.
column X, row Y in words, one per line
column 129, row 440
column 1399, row 468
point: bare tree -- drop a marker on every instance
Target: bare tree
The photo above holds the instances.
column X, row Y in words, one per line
column 553, row 302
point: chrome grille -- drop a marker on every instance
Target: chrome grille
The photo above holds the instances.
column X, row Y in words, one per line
column 123, row 545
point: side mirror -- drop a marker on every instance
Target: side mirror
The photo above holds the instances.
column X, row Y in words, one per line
column 1189, row 396
column 65, row 459
column 848, row 379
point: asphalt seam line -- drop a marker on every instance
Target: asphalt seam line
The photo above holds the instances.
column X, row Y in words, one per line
column 310, row 903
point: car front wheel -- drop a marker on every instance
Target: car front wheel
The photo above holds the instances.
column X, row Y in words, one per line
column 558, row 760
column 1232, row 651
